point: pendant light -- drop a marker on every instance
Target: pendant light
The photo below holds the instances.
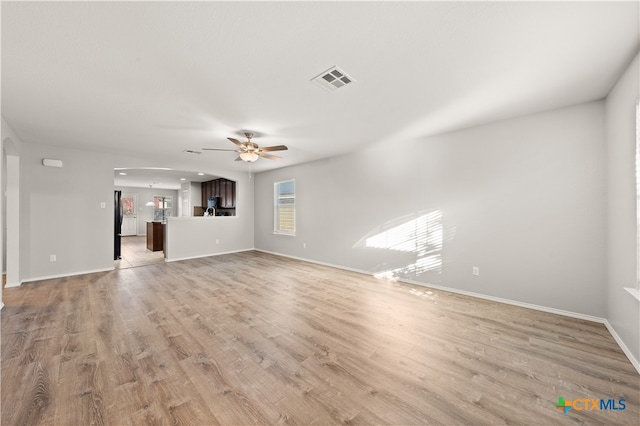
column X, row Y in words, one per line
column 150, row 203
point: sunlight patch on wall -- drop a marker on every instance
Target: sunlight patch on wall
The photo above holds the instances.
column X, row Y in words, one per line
column 422, row 265
column 418, row 235
column 423, row 236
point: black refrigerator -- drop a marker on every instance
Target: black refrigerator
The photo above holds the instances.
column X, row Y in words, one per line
column 117, row 221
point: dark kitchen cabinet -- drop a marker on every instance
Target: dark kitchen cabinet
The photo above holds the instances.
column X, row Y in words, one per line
column 227, row 193
column 213, row 191
column 215, row 188
column 224, row 189
column 155, row 236
column 206, row 193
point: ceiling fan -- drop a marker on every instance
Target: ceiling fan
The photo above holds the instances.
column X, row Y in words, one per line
column 250, row 151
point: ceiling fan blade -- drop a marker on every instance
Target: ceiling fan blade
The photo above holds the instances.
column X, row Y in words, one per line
column 236, row 141
column 218, row 149
column 274, row 148
column 269, row 156
column 238, row 159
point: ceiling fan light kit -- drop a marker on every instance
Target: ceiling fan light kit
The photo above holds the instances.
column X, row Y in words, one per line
column 249, row 151
column 249, row 157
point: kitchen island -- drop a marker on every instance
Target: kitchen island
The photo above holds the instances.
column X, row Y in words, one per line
column 155, row 236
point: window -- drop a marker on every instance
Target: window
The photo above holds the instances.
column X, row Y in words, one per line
column 162, row 207
column 285, row 208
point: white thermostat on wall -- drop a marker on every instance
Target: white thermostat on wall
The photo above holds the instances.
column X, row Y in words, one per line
column 51, row 163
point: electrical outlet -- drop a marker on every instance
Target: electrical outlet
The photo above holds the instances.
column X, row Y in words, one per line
column 103, row 205
column 304, row 245
column 217, row 241
column 52, row 258
column 476, row 270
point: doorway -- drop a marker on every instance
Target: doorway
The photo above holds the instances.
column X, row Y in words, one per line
column 129, row 215
column 131, row 248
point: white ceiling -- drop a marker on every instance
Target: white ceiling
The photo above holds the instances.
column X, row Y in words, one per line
column 151, row 79
column 159, row 178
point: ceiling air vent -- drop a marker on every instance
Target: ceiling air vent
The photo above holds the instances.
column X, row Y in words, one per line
column 332, row 79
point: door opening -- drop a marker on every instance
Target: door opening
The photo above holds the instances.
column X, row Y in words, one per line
column 129, row 215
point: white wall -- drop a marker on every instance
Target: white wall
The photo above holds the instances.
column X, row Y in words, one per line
column 3, row 203
column 623, row 310
column 61, row 213
column 13, row 217
column 191, row 196
column 521, row 199
column 185, row 199
column 191, row 237
column 195, row 191
column 11, row 205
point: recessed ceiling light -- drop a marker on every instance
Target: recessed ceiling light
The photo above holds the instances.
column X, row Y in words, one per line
column 200, row 174
column 182, row 179
column 122, row 174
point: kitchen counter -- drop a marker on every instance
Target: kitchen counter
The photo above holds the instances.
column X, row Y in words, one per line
column 188, row 237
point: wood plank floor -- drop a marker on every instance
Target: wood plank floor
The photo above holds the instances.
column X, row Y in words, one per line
column 253, row 338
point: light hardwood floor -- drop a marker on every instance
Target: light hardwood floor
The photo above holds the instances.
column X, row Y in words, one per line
column 254, row 338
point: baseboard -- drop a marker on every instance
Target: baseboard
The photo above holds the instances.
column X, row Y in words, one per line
column 577, row 315
column 510, row 302
column 458, row 291
column 72, row 274
column 1, row 305
column 10, row 285
column 346, row 268
column 624, row 347
column 207, row 255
